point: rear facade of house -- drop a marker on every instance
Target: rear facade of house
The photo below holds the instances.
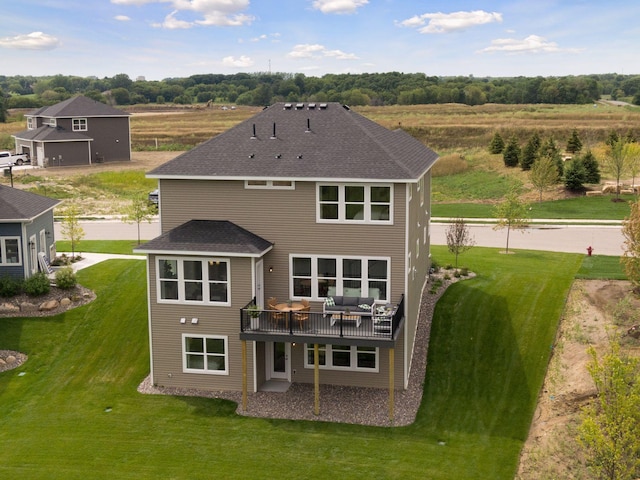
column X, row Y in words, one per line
column 302, row 201
column 77, row 131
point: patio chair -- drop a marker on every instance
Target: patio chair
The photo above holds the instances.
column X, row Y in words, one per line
column 275, row 315
column 303, row 315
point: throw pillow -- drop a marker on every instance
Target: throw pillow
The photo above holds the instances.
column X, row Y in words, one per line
column 329, row 302
column 364, row 306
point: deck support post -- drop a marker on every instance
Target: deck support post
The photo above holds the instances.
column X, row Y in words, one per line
column 391, row 383
column 316, row 379
column 244, row 375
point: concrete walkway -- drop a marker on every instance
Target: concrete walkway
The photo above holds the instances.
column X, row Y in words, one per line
column 89, row 259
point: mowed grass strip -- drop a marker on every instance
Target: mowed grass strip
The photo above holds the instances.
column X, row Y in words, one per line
column 491, row 341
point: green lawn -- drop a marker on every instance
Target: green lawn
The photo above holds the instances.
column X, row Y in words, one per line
column 123, row 247
column 598, row 208
column 490, row 345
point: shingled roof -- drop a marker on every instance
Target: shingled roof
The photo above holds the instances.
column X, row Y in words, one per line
column 305, row 141
column 79, row 106
column 52, row 134
column 19, row 206
column 218, row 237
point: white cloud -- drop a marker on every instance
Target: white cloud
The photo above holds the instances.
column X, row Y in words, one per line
column 122, row 18
column 530, row 44
column 219, row 13
column 339, row 6
column 319, row 51
column 449, row 22
column 31, row 41
column 243, row 61
column 172, row 23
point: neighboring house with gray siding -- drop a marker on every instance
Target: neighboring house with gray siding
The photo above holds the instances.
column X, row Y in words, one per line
column 26, row 229
column 77, row 131
column 302, row 202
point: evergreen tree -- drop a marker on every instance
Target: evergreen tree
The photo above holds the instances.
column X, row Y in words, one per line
column 530, row 152
column 497, row 144
column 574, row 175
column 511, row 153
column 550, row 149
column 591, row 168
column 3, row 108
column 613, row 138
column 574, row 145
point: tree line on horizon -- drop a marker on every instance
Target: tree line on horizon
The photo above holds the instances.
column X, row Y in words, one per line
column 374, row 89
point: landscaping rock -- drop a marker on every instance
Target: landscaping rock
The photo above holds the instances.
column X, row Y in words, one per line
column 65, row 302
column 49, row 305
column 8, row 308
column 10, row 359
column 27, row 307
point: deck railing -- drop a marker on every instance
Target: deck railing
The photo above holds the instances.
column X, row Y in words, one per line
column 318, row 324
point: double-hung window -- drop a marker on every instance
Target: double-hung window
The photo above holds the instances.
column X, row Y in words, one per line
column 10, row 251
column 354, row 203
column 79, row 124
column 205, row 354
column 193, row 280
column 343, row 357
column 320, row 276
column 51, row 121
column 31, row 123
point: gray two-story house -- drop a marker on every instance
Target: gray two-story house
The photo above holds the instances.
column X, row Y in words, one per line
column 26, row 232
column 77, row 131
column 303, row 204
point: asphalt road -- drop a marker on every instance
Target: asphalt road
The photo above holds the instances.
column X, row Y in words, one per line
column 604, row 239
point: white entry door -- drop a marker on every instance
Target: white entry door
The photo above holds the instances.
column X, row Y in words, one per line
column 279, row 360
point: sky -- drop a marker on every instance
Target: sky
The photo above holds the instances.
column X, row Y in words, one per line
column 158, row 39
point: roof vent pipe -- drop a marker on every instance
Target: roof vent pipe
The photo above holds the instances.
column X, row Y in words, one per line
column 308, row 126
column 254, row 132
column 274, row 131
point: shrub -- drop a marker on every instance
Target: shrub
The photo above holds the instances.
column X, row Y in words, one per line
column 9, row 287
column 37, row 285
column 66, row 278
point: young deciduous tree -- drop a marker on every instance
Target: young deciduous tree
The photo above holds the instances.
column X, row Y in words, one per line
column 459, row 238
column 512, row 214
column 616, row 163
column 543, row 175
column 551, row 150
column 71, row 228
column 138, row 211
column 511, row 153
column 610, row 428
column 632, row 154
column 631, row 255
column 497, row 144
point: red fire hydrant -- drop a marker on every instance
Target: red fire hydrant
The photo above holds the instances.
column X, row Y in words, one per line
column 589, row 250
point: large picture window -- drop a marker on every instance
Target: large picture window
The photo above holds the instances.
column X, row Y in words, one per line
column 187, row 280
column 354, row 203
column 343, row 357
column 205, row 354
column 318, row 277
column 10, row 251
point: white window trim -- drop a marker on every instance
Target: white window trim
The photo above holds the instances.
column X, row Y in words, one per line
column 51, row 121
column 31, row 123
column 269, row 185
column 181, row 281
column 342, row 203
column 3, row 250
column 204, row 371
column 77, row 127
column 308, row 348
column 339, row 274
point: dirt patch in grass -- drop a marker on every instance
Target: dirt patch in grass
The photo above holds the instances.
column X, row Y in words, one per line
column 551, row 450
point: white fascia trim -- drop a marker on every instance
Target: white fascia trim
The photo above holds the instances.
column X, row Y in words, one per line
column 203, row 254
